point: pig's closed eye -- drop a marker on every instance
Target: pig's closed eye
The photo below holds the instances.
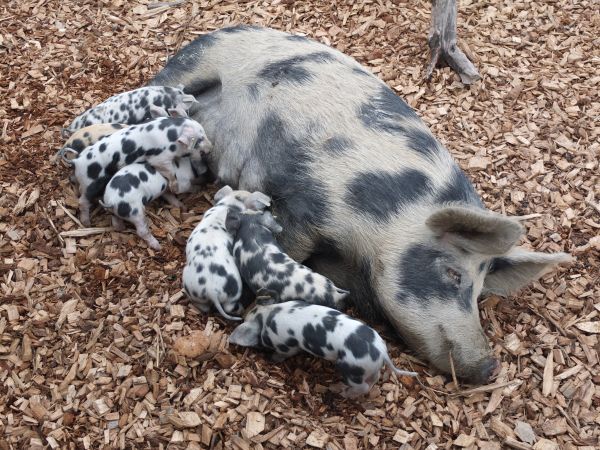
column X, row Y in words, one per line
column 454, row 276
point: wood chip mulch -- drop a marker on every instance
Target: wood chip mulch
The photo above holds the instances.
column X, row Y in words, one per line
column 88, row 318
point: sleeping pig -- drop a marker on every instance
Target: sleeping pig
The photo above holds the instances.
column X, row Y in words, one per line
column 366, row 195
column 210, row 276
column 268, row 270
column 358, row 351
column 132, row 107
column 136, row 185
column 158, row 142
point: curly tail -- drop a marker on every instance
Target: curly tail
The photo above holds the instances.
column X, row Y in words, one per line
column 393, row 368
column 61, row 153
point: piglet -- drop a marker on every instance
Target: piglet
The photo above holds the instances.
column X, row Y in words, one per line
column 358, row 351
column 133, row 107
column 267, row 269
column 157, row 142
column 210, row 275
column 136, row 185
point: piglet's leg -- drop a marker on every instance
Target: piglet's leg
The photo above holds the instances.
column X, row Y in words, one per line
column 84, row 210
column 172, row 200
column 167, row 171
column 142, row 230
column 117, row 223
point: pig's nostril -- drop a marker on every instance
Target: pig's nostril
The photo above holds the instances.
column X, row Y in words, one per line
column 491, row 369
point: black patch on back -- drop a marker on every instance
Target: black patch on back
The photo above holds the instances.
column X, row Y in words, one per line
column 386, row 112
column 128, row 146
column 291, row 342
column 271, row 322
column 231, row 287
column 337, row 145
column 172, row 134
column 297, row 38
column 421, row 278
column 143, row 176
column 124, row 183
column 291, row 70
column 239, row 28
column 315, row 339
column 330, row 321
column 384, row 194
column 78, row 145
column 217, row 269
column 459, row 189
column 360, row 341
column 94, row 170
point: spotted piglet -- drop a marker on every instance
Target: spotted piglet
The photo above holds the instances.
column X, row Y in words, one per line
column 358, row 351
column 267, row 269
column 133, row 107
column 158, row 143
column 136, row 185
column 210, row 275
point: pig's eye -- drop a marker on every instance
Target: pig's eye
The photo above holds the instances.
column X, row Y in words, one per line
column 454, row 276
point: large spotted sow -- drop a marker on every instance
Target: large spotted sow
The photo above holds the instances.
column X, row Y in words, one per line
column 268, row 270
column 158, row 142
column 286, row 328
column 365, row 194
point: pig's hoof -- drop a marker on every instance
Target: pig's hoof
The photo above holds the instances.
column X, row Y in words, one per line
column 153, row 243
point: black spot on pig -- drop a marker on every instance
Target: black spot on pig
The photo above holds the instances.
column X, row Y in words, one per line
column 422, row 141
column 78, row 145
column 350, row 373
column 217, row 269
column 133, row 156
column 102, row 147
column 296, row 38
column 315, row 338
column 231, row 287
column 393, row 192
column 291, row 70
column 117, row 126
column 271, row 322
column 386, row 112
column 143, row 176
column 123, row 107
column 423, row 278
column 330, row 320
column 459, row 189
column 360, row 341
column 337, row 145
column 89, row 156
column 144, row 102
column 124, row 183
column 172, row 135
column 291, row 342
column 283, row 348
column 146, row 200
column 94, row 170
column 150, row 127
column 239, row 28
column 128, row 146
column 123, row 210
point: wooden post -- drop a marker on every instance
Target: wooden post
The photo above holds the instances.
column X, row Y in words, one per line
column 442, row 42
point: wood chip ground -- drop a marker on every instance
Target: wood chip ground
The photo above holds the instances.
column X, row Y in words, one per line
column 88, row 319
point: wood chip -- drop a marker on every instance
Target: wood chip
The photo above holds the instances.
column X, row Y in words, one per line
column 255, row 423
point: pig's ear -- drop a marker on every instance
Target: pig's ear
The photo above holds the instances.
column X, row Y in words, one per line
column 269, row 221
column 475, row 230
column 245, row 334
column 232, row 222
column 178, row 112
column 187, row 137
column 222, row 193
column 257, row 201
column 188, row 101
column 510, row 272
column 158, row 111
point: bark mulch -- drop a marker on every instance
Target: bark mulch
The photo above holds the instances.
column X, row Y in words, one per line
column 88, row 319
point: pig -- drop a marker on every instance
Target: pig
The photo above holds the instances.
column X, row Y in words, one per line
column 136, row 185
column 210, row 275
column 157, row 142
column 366, row 195
column 285, row 329
column 89, row 135
column 266, row 268
column 132, row 107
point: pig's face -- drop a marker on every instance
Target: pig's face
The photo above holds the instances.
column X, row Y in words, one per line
column 433, row 284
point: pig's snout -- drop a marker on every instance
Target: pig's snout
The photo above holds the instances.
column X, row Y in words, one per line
column 487, row 369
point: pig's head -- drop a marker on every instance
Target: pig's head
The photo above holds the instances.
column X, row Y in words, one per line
column 192, row 140
column 431, row 284
column 256, row 201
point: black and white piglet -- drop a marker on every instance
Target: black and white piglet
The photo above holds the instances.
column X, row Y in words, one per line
column 157, row 142
column 136, row 185
column 266, row 268
column 133, row 107
column 358, row 351
column 210, row 275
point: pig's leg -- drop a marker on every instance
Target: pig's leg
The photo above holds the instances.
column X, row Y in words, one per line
column 172, row 200
column 165, row 168
column 117, row 223
column 84, row 210
column 142, row 230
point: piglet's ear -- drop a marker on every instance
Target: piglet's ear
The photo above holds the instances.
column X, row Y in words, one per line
column 257, row 201
column 475, row 230
column 232, row 222
column 158, row 111
column 187, row 137
column 245, row 335
column 178, row 112
column 189, row 100
column 222, row 193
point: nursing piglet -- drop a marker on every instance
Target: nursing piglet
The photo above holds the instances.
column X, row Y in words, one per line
column 358, row 351
column 158, row 143
column 267, row 269
column 133, row 107
column 136, row 185
column 210, row 275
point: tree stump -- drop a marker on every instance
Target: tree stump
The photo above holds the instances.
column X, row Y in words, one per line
column 442, row 43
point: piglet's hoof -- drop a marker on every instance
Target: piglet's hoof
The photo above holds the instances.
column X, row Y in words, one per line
column 153, row 243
